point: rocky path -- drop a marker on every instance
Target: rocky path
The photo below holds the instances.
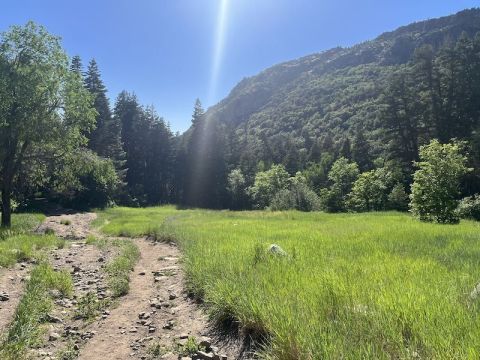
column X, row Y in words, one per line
column 11, row 290
column 155, row 320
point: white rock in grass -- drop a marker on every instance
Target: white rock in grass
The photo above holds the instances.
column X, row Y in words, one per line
column 276, row 250
column 475, row 292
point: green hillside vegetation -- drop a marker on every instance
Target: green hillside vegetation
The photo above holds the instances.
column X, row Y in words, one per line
column 378, row 285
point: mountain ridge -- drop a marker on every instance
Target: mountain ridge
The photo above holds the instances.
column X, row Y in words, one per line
column 258, row 98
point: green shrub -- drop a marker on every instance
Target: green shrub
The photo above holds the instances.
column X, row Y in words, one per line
column 299, row 197
column 88, row 307
column 267, row 184
column 436, row 182
column 469, row 208
column 398, row 198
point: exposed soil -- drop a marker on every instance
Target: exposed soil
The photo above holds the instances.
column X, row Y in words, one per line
column 74, row 226
column 11, row 286
column 154, row 320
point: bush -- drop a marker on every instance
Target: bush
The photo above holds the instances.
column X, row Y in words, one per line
column 283, row 200
column 398, row 198
column 87, row 181
column 298, row 196
column 267, row 184
column 342, row 175
column 469, row 208
column 436, row 182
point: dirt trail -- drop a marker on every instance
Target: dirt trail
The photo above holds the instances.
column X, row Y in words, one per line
column 155, row 312
column 69, row 226
column 155, row 316
column 11, row 286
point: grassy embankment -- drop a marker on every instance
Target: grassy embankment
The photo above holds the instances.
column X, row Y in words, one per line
column 16, row 244
column 378, row 285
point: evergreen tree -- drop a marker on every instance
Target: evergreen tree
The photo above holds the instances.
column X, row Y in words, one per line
column 206, row 170
column 76, row 65
column 360, row 152
column 346, row 149
column 105, row 140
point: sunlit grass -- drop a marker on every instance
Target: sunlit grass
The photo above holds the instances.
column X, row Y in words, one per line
column 18, row 244
column 378, row 285
column 21, row 224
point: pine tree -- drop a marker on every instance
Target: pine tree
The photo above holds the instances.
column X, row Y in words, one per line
column 346, row 148
column 360, row 153
column 105, row 140
column 206, row 169
column 76, row 65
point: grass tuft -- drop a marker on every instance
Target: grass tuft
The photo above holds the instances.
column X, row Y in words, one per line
column 119, row 268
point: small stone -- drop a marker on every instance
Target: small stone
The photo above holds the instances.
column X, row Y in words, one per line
column 144, row 315
column 205, row 342
column 53, row 319
column 141, row 273
column 152, row 329
column 4, row 296
column 169, row 325
column 183, row 336
column 101, row 259
column 276, row 250
column 172, row 296
column 133, row 330
column 53, row 336
column 204, row 355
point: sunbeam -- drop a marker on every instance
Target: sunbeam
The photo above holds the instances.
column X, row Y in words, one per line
column 218, row 50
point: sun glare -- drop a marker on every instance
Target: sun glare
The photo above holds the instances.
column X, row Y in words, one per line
column 218, row 49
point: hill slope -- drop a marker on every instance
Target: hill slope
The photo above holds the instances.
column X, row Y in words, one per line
column 328, row 92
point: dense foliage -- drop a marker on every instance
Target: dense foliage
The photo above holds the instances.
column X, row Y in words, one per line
column 436, row 182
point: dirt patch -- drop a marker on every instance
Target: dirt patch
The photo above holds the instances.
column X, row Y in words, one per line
column 69, row 226
column 11, row 287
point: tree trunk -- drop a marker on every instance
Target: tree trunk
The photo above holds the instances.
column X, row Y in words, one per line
column 6, row 209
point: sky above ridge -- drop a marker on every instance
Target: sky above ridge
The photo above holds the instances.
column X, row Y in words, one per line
column 170, row 52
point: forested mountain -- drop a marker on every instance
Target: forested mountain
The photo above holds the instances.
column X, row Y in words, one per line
column 330, row 94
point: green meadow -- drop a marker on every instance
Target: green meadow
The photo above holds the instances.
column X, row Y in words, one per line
column 374, row 285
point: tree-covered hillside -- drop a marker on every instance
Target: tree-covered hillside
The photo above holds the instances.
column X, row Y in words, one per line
column 330, row 93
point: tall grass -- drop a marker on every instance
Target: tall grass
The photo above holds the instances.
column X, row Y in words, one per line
column 21, row 224
column 25, row 247
column 354, row 286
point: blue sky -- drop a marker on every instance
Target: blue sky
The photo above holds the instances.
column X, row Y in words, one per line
column 169, row 52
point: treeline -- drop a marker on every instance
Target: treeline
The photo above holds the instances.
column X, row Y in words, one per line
column 62, row 140
column 129, row 154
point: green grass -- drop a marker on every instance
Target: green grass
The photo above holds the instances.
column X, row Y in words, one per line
column 354, row 286
column 119, row 268
column 21, row 224
column 18, row 244
column 25, row 331
column 26, row 247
